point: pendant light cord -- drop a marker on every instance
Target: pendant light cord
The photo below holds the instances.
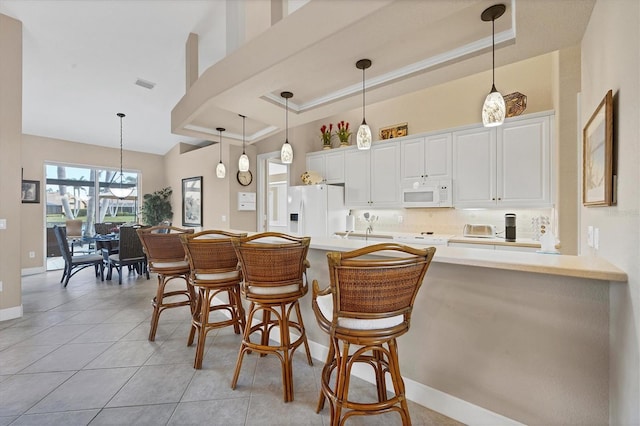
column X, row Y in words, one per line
column 286, row 120
column 243, row 117
column 493, row 53
column 363, row 94
column 220, row 131
column 121, row 150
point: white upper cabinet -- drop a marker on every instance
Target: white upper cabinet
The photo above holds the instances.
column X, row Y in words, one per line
column 507, row 166
column 425, row 158
column 474, row 168
column 329, row 164
column 372, row 177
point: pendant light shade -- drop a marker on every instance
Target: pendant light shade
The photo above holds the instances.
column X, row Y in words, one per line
column 117, row 187
column 221, row 171
column 286, row 152
column 494, row 109
column 363, row 137
column 243, row 161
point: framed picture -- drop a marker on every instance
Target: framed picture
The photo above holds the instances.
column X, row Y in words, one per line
column 395, row 131
column 192, row 201
column 597, row 156
column 30, row 191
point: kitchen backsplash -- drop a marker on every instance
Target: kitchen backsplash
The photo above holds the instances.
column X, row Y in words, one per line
column 451, row 221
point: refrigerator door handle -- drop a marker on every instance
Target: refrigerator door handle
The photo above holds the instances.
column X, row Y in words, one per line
column 301, row 218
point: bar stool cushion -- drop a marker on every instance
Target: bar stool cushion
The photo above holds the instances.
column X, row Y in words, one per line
column 283, row 289
column 220, row 276
column 325, row 303
column 171, row 265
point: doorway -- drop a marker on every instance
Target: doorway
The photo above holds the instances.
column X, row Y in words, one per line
column 273, row 184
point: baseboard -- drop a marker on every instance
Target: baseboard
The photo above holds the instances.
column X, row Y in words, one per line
column 441, row 402
column 32, row 271
column 10, row 313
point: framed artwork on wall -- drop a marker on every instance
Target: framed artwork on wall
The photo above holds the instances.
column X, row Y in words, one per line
column 192, row 201
column 30, row 191
column 597, row 156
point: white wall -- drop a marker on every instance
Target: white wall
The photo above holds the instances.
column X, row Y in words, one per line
column 611, row 60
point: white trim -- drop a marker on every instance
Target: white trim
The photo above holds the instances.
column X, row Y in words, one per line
column 32, row 271
column 10, row 313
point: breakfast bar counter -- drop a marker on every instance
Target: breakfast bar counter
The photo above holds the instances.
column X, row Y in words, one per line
column 500, row 337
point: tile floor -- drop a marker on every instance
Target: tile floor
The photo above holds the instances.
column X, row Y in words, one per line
column 80, row 356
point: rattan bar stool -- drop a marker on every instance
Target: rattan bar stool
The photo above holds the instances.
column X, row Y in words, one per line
column 274, row 271
column 368, row 305
column 214, row 271
column 165, row 256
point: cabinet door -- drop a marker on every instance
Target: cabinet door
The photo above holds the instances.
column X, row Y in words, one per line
column 437, row 156
column 334, row 167
column 523, row 172
column 357, row 170
column 316, row 163
column 412, row 152
column 474, row 168
column 385, row 174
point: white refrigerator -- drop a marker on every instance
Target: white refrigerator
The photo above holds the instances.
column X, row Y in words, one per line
column 316, row 210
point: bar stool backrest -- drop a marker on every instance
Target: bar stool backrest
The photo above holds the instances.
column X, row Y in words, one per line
column 210, row 252
column 163, row 247
column 272, row 259
column 369, row 287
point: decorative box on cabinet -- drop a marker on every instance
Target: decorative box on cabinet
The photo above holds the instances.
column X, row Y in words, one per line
column 372, row 177
column 507, row 166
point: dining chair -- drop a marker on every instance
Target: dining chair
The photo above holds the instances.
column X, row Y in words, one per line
column 74, row 233
column 365, row 308
column 274, row 280
column 166, row 257
column 215, row 275
column 75, row 263
column 129, row 253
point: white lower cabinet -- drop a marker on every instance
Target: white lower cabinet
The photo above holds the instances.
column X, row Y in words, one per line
column 372, row 177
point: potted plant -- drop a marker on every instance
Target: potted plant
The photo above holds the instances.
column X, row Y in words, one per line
column 343, row 133
column 156, row 207
column 326, row 136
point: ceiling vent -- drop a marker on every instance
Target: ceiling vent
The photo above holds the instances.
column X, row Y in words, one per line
column 146, row 84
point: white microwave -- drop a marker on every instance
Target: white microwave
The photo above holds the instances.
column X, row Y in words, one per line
column 430, row 193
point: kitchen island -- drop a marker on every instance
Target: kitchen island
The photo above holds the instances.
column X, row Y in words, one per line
column 501, row 337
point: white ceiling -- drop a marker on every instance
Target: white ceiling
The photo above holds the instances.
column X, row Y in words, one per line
column 81, row 59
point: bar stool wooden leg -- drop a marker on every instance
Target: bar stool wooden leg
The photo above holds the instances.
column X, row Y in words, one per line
column 203, row 302
column 157, row 301
column 328, row 364
column 243, row 347
column 303, row 333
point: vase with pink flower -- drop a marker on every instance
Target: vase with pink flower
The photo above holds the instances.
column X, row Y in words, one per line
column 343, row 133
column 326, row 135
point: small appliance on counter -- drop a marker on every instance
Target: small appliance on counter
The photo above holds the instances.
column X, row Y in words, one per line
column 479, row 231
column 510, row 227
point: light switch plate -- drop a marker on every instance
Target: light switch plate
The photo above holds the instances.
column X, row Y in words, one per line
column 590, row 236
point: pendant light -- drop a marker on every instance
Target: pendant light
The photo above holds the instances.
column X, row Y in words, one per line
column 286, row 152
column 363, row 137
column 243, row 161
column 493, row 110
column 220, row 169
column 117, row 186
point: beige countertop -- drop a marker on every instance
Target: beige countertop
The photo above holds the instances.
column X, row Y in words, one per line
column 591, row 267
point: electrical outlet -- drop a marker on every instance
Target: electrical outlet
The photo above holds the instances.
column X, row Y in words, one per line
column 224, row 218
column 400, row 219
column 32, row 254
column 596, row 238
column 590, row 236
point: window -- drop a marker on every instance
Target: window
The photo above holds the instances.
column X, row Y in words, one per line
column 82, row 192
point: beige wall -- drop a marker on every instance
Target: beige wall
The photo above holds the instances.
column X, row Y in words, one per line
column 611, row 60
column 10, row 162
column 219, row 195
column 37, row 150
